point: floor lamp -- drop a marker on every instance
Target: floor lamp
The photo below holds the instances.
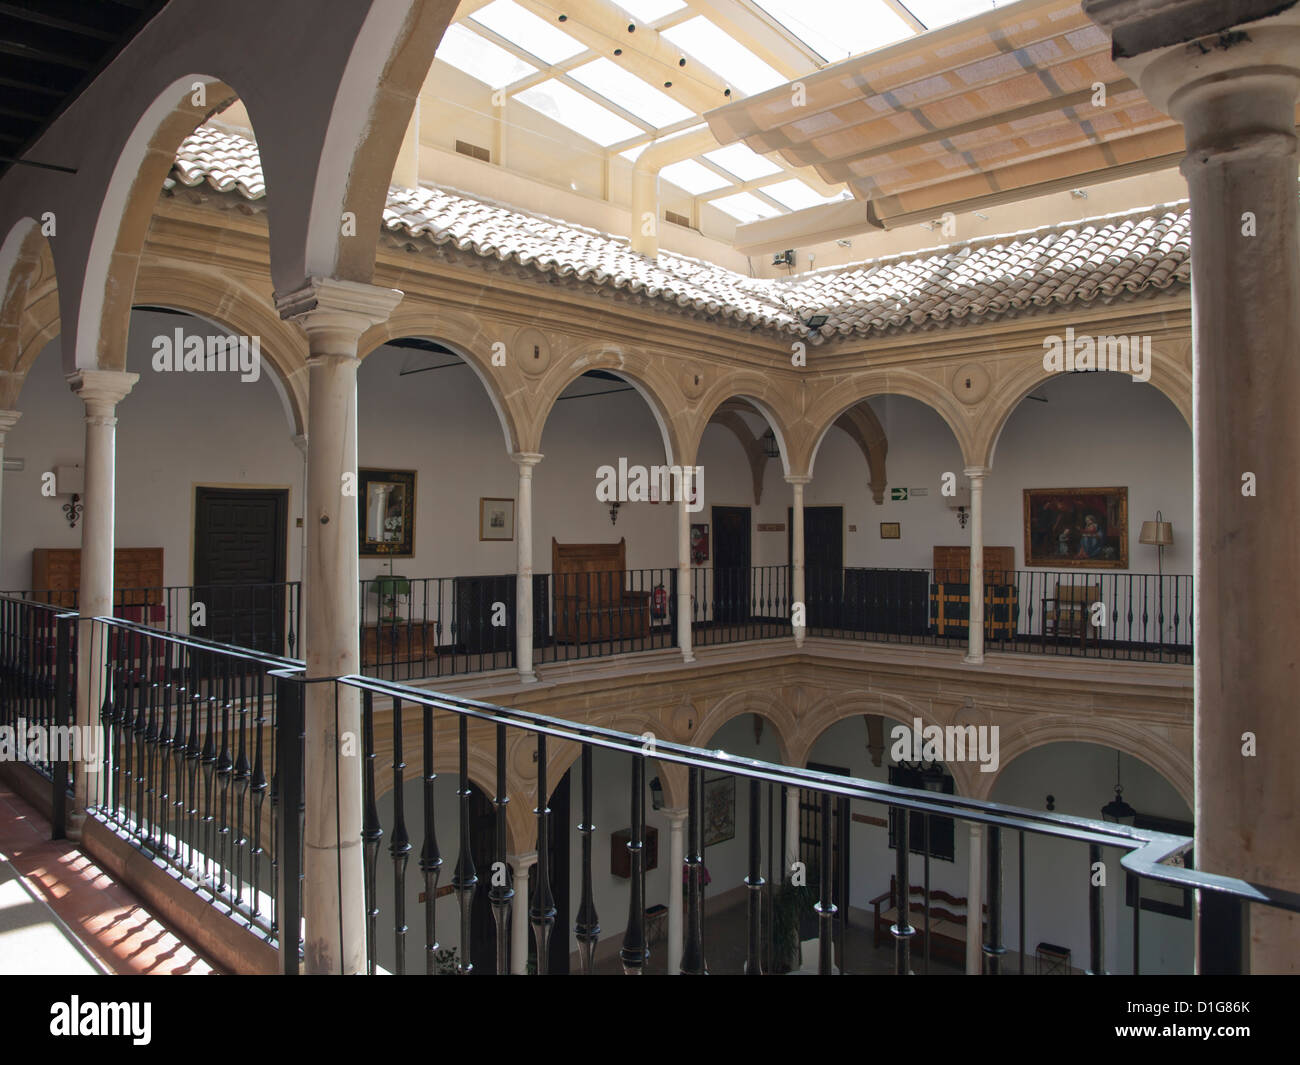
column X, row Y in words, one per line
column 1159, row 534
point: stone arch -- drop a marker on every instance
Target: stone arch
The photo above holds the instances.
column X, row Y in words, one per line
column 101, row 319
column 1154, row 750
column 29, row 304
column 777, row 711
column 639, row 370
column 838, row 706
column 840, row 396
column 466, row 337
column 563, row 756
column 864, row 429
column 228, row 303
column 1171, row 375
column 759, row 391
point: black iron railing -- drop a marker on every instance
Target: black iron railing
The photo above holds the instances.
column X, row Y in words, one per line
column 188, row 759
column 730, row 605
column 1144, row 854
column 38, row 684
column 197, row 736
column 606, row 612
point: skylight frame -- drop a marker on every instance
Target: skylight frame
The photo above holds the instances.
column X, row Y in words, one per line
column 459, row 33
column 614, row 83
column 723, row 49
column 866, row 12
column 516, row 23
column 683, row 167
column 740, row 154
column 575, row 96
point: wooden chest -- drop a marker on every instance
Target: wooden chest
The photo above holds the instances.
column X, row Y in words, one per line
column 137, row 575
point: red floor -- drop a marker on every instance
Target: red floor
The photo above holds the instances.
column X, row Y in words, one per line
column 105, row 916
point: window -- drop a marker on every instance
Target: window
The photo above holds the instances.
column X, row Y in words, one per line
column 525, row 30
column 837, row 29
column 796, row 195
column 693, row 177
column 744, row 163
column 632, row 94
column 746, row 207
column 480, row 58
column 718, row 51
column 651, row 10
column 569, row 107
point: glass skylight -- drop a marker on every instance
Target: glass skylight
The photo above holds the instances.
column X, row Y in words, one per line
column 943, row 12
column 480, row 58
column 695, row 178
column 525, row 30
column 716, row 49
column 744, row 162
column 630, row 92
column 745, row 207
column 837, row 29
column 569, row 107
column 650, row 10
column 796, row 194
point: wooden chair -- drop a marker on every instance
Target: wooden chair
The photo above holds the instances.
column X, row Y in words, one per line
column 1069, row 612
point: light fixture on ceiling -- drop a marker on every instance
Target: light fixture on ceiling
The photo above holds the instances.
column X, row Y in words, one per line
column 1117, row 810
column 1079, row 194
column 844, row 243
column 771, row 449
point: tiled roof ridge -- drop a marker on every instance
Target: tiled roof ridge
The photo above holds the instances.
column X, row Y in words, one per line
column 992, row 240
column 1106, row 257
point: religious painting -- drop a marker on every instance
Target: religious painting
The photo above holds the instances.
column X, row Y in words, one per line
column 1083, row 528
column 719, row 810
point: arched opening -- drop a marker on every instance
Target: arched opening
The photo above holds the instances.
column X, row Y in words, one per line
column 436, row 490
column 1079, row 779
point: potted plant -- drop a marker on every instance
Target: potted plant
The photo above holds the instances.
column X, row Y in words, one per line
column 791, row 904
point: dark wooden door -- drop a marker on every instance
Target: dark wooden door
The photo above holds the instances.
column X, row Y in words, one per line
column 823, row 563
column 240, row 542
column 811, row 842
column 731, row 546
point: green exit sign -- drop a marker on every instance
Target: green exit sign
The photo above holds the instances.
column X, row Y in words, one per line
column 898, row 493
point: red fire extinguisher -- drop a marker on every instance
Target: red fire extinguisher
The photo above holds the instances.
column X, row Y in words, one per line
column 658, row 601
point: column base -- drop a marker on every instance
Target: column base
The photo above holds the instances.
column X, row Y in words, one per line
column 973, row 660
column 688, row 656
column 528, row 676
column 75, row 824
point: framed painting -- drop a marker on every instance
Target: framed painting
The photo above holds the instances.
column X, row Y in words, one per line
column 890, row 530
column 1084, row 528
column 719, row 810
column 496, row 519
column 386, row 513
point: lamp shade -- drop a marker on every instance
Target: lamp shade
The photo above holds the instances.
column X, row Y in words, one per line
column 1157, row 533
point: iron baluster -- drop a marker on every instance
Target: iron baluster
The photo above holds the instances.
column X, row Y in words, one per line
column 902, row 929
column 430, row 857
column 1096, row 945
column 399, row 847
column 754, row 881
column 826, row 904
column 634, row 952
column 693, row 951
column 464, row 879
column 587, row 928
column 371, row 830
column 258, row 786
column 543, row 911
column 501, row 892
column 993, row 948
column 241, row 771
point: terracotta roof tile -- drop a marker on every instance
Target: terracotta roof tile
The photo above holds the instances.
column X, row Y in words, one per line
column 1108, row 258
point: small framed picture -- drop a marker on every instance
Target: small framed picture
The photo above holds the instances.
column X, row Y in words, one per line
column 496, row 519
column 889, row 530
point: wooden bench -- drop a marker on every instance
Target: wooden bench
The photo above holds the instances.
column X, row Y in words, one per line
column 947, row 921
column 591, row 602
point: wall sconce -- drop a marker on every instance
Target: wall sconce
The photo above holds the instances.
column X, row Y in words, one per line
column 961, row 504
column 656, row 794
column 69, row 480
column 613, row 512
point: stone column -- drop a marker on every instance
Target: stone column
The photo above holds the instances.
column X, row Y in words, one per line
column 975, row 903
column 333, row 314
column 519, row 926
column 525, row 460
column 8, row 419
column 684, row 607
column 975, row 630
column 797, row 482
column 101, row 391
column 1234, row 89
column 676, row 859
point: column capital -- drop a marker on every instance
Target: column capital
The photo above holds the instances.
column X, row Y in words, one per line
column 520, row 862
column 334, row 313
column 798, row 478
column 8, row 419
column 102, row 387
column 976, row 471
column 526, row 459
column 1177, row 51
column 300, row 442
column 676, row 815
